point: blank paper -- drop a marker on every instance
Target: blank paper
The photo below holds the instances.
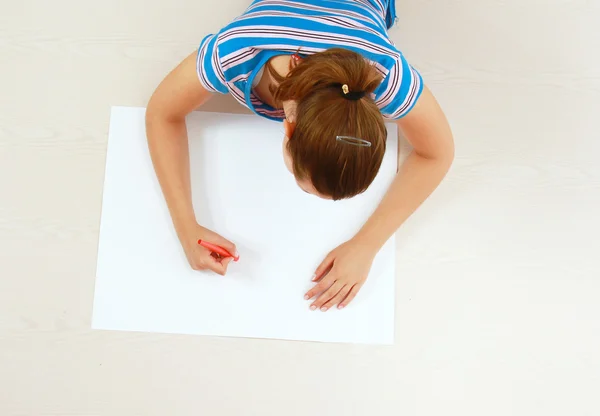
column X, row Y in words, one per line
column 241, row 190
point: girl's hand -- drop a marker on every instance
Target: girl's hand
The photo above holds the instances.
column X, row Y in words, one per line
column 201, row 258
column 341, row 275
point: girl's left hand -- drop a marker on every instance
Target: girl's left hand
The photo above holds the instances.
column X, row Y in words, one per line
column 341, row 275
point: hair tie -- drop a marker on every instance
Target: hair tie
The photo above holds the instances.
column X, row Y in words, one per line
column 351, row 95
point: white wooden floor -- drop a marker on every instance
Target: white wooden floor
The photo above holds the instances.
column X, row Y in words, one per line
column 498, row 282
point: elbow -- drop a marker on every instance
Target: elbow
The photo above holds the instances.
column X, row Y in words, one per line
column 444, row 155
column 154, row 118
column 157, row 114
column 450, row 153
column 447, row 152
column 446, row 160
column 152, row 114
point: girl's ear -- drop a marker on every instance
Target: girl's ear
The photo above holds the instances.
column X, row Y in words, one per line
column 289, row 128
column 289, row 108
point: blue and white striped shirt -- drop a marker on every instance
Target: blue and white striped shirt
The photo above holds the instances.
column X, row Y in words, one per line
column 229, row 60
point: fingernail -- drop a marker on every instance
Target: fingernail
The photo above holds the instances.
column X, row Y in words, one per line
column 340, row 306
column 314, row 276
column 313, row 307
column 323, row 308
column 306, row 297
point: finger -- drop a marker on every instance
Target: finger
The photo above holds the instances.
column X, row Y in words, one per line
column 216, row 266
column 320, row 287
column 326, row 296
column 337, row 298
column 324, row 267
column 350, row 296
column 225, row 262
column 227, row 245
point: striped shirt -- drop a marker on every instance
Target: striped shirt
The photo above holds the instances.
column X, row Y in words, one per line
column 229, row 60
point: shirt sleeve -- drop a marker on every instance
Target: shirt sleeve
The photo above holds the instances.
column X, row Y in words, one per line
column 400, row 90
column 208, row 66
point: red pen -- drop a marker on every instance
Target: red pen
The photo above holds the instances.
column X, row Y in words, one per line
column 217, row 249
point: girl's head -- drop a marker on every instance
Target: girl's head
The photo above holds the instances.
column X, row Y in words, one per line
column 332, row 93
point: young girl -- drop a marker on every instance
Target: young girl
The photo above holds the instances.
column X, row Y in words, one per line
column 329, row 71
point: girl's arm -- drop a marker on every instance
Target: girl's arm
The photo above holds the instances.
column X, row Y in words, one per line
column 427, row 129
column 179, row 94
column 345, row 269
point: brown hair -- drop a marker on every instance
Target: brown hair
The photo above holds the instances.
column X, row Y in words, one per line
column 335, row 168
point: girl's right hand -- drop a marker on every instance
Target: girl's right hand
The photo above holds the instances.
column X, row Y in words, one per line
column 201, row 258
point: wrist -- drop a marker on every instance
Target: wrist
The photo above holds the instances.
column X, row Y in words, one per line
column 185, row 227
column 367, row 243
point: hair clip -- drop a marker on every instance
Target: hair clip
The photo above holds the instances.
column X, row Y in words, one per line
column 354, row 141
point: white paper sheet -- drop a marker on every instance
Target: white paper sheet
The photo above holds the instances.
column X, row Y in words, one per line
column 242, row 190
